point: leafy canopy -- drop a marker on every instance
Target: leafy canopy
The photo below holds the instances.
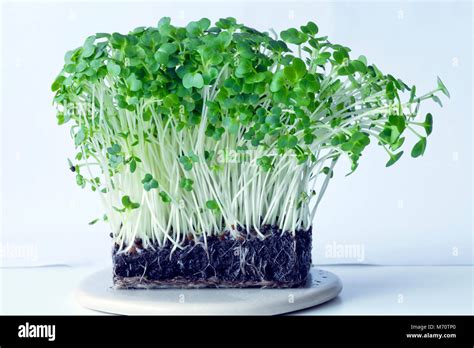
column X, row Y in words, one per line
column 172, row 65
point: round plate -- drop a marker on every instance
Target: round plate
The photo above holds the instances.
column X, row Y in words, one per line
column 96, row 292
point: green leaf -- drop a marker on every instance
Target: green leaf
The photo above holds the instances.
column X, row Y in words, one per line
column 115, row 160
column 196, row 28
column 148, row 177
column 70, row 68
column 412, row 94
column 133, row 166
column 57, row 83
column 113, row 68
column 443, row 88
column 161, row 57
column 128, row 204
column 322, row 58
column 93, row 222
column 149, row 183
column 204, row 23
column 81, row 66
column 394, row 158
column 327, row 170
column 359, row 66
column 171, row 100
column 191, row 80
column 168, row 48
column 126, row 201
column 308, row 139
column 338, row 139
column 226, row 23
column 165, row 198
column 193, row 157
column 437, row 100
column 340, row 55
column 309, row 83
column 163, row 22
column 186, row 184
column 68, row 81
column 428, row 124
column 134, row 83
column 390, row 91
column 186, row 162
column 398, row 144
column 212, row 204
column 292, row 141
column 80, row 180
column 231, row 124
column 114, row 149
column 256, row 78
column 88, row 50
column 293, row 36
column 80, row 136
column 277, row 81
column 299, row 66
column 244, row 68
column 310, row 29
column 290, row 74
column 398, row 121
column 419, row 148
column 265, row 163
column 287, row 141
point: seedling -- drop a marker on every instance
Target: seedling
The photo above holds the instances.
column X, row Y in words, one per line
column 154, row 114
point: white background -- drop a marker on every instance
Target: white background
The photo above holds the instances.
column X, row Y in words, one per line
column 416, row 212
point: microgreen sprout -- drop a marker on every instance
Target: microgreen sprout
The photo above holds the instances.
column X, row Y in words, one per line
column 155, row 113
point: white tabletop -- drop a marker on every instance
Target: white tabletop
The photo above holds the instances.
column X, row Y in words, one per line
column 410, row 290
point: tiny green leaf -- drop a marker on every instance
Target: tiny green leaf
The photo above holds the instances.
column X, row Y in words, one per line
column 443, row 88
column 359, row 66
column 390, row 90
column 165, row 197
column 128, row 204
column 57, row 83
column 149, row 183
column 191, row 80
column 93, row 222
column 428, row 124
column 290, row 74
column 394, row 158
column 231, row 124
column 437, row 100
column 186, row 184
column 113, row 69
column 80, row 136
column 126, row 200
column 133, row 166
column 311, row 28
column 277, row 81
column 419, row 148
column 212, row 204
column 187, row 162
column 134, row 83
column 265, row 163
column 80, row 180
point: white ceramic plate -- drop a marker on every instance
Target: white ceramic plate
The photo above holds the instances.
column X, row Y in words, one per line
column 96, row 293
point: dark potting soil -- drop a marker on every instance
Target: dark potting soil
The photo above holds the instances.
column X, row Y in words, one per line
column 279, row 260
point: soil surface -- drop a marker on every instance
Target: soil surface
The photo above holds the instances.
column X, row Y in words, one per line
column 279, row 260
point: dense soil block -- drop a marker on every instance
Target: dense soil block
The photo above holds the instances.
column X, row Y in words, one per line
column 280, row 260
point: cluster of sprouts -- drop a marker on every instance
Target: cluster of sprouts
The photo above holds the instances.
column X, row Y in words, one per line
column 187, row 132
